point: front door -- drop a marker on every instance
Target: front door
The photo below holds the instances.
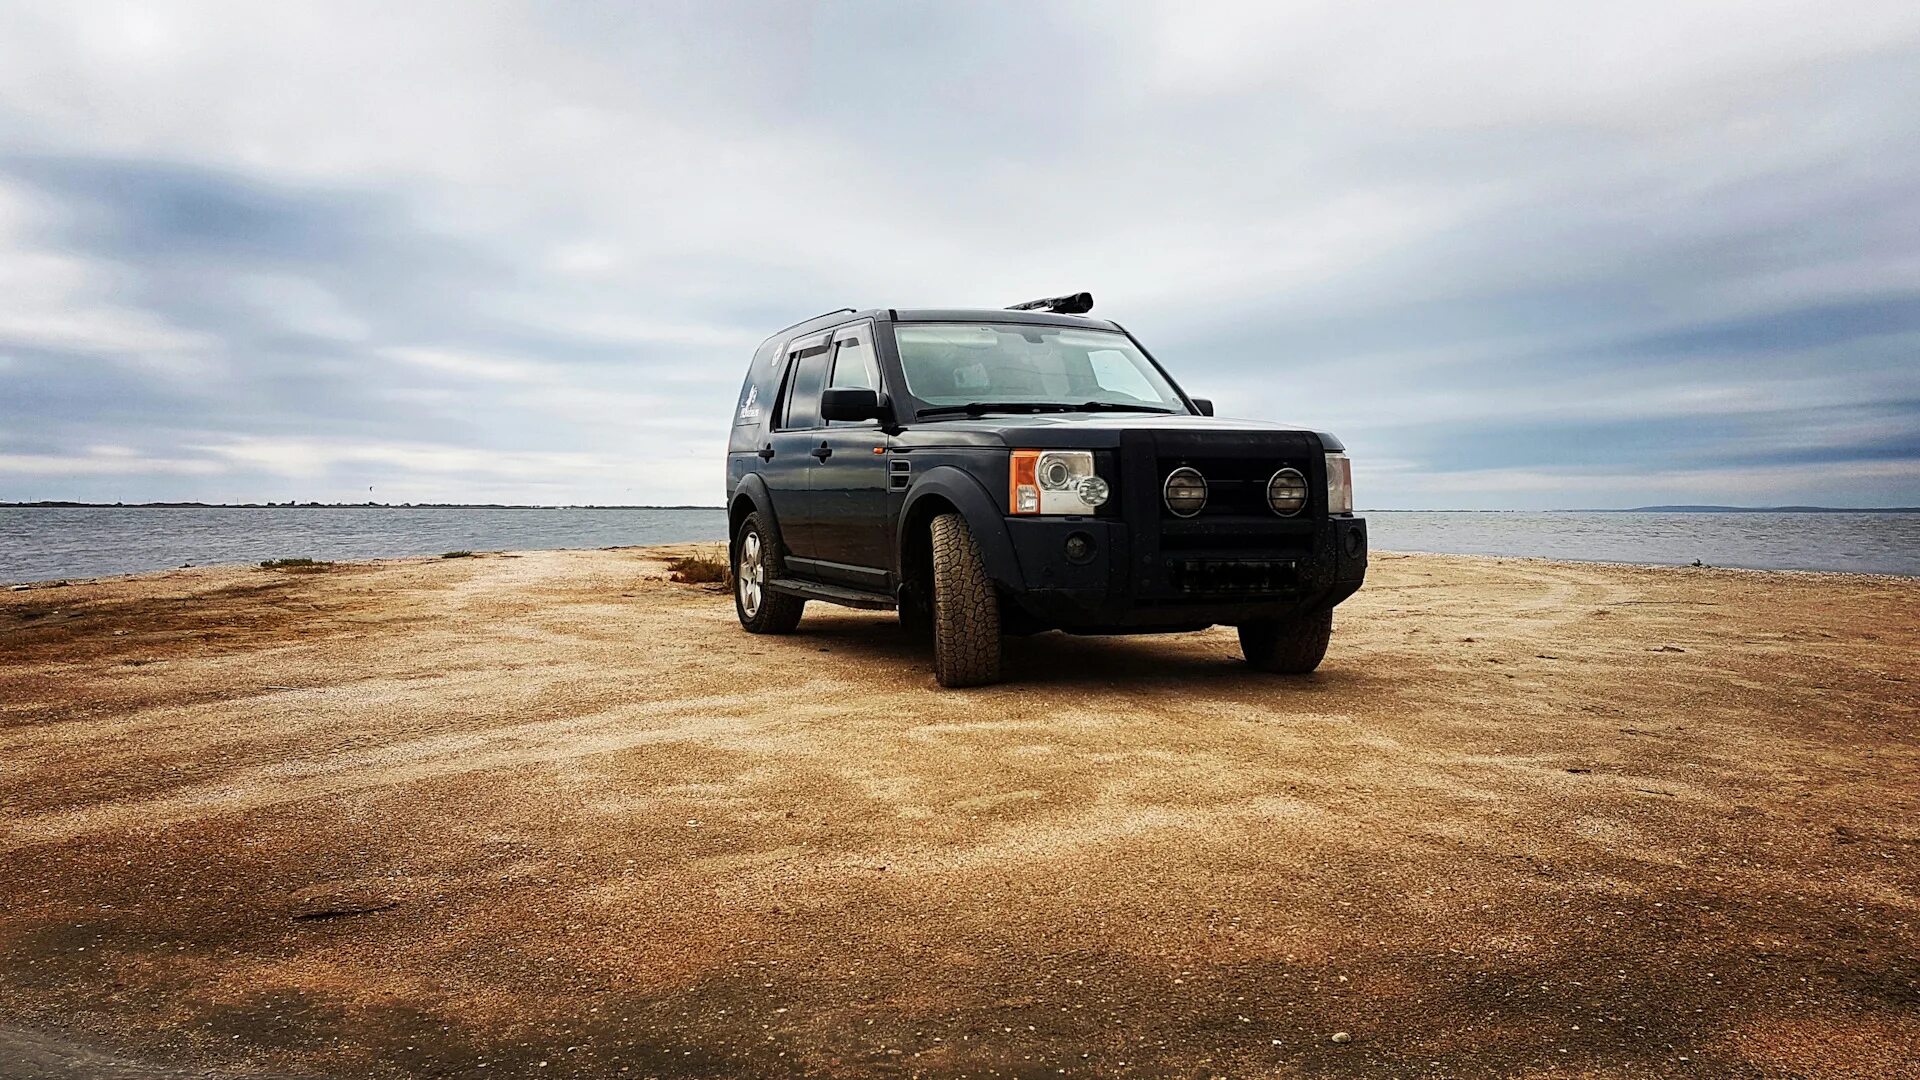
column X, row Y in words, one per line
column 850, row 537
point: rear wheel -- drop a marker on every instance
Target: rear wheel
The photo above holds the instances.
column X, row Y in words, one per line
column 1288, row 646
column 756, row 561
column 966, row 610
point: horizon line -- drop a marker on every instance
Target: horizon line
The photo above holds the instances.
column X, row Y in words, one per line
column 56, row 504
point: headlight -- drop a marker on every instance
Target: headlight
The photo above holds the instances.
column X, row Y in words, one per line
column 1185, row 491
column 1339, row 484
column 1287, row 492
column 1054, row 482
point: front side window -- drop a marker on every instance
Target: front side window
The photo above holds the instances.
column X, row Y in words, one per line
column 955, row 364
column 853, row 366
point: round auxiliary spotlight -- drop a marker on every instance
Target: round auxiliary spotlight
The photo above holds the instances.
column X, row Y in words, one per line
column 1287, row 492
column 1185, row 491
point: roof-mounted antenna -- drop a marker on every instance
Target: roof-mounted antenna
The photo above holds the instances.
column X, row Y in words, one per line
column 1072, row 304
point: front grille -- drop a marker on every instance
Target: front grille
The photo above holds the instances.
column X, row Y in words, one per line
column 1236, row 545
column 1236, row 487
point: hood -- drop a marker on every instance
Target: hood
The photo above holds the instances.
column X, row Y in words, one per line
column 1091, row 430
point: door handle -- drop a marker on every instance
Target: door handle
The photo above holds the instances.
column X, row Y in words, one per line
column 765, row 452
column 823, row 451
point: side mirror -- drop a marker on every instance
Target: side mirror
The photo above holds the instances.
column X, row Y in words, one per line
column 1203, row 406
column 849, row 403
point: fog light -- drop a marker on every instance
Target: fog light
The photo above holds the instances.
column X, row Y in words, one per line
column 1287, row 492
column 1079, row 548
column 1185, row 491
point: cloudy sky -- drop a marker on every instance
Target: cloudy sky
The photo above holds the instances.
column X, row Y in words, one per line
column 1516, row 255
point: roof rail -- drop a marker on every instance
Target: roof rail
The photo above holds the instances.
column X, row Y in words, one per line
column 1072, row 304
column 810, row 318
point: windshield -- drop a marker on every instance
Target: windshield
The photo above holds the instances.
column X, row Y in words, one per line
column 957, row 364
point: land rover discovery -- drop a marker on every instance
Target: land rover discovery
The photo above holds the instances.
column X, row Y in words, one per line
column 1006, row 472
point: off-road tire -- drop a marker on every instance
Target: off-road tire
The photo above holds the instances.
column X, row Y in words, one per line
column 966, row 610
column 1287, row 646
column 773, row 613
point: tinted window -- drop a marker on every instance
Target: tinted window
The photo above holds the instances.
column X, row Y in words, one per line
column 802, row 408
column 853, row 366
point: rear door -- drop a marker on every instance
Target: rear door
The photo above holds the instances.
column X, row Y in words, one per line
column 849, row 482
column 785, row 462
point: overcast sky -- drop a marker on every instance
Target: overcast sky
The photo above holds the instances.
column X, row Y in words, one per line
column 1527, row 255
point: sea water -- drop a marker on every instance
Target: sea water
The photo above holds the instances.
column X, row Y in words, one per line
column 39, row 543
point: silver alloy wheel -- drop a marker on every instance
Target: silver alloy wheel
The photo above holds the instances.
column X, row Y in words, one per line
column 752, row 574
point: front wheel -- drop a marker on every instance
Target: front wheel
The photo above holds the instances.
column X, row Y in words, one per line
column 916, row 611
column 1287, row 646
column 966, row 609
column 756, row 561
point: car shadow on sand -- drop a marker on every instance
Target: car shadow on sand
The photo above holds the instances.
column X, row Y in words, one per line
column 1184, row 661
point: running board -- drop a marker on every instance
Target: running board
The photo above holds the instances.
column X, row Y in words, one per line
column 832, row 594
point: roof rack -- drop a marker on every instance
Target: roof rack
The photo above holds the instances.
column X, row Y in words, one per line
column 1072, row 304
column 810, row 318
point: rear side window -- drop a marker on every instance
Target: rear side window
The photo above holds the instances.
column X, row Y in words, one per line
column 801, row 409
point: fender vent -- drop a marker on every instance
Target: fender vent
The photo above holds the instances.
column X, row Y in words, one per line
column 899, row 471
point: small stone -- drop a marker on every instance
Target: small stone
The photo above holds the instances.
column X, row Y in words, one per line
column 1342, row 1037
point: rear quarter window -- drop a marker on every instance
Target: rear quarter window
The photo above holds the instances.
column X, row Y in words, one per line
column 760, row 385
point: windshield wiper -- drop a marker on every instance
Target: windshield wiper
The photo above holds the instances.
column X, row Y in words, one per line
column 1115, row 406
column 977, row 408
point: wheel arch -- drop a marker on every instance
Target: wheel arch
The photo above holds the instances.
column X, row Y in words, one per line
column 943, row 490
column 749, row 498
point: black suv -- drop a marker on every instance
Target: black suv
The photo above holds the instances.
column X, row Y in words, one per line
column 995, row 472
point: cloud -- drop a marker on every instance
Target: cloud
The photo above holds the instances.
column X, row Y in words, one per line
column 1512, row 256
column 103, row 461
column 466, row 365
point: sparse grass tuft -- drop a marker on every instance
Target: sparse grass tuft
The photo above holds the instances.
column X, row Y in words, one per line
column 457, row 555
column 293, row 564
column 698, row 570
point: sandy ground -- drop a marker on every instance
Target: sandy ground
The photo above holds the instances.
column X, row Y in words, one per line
column 550, row 814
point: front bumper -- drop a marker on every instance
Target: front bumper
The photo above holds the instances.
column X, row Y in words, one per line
column 1181, row 574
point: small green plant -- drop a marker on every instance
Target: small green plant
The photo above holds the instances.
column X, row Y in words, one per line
column 697, row 570
column 293, row 564
column 457, row 555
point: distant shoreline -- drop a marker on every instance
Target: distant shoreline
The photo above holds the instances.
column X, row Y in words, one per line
column 51, row 504
column 58, row 505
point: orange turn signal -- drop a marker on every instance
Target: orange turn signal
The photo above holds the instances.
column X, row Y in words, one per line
column 1023, row 488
